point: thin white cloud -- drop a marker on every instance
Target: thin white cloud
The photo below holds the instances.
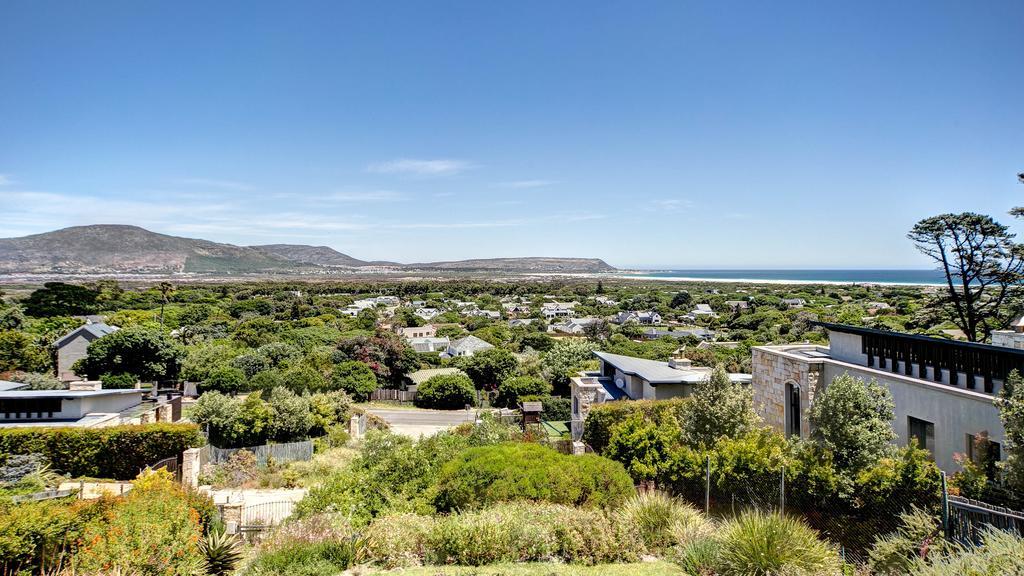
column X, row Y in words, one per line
column 524, row 184
column 220, row 184
column 364, row 196
column 419, row 167
column 5, row 180
column 669, row 205
column 501, row 223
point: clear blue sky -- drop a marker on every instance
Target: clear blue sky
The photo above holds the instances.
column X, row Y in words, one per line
column 685, row 134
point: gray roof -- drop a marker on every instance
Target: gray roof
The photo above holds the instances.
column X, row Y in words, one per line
column 656, row 372
column 682, row 333
column 96, row 330
column 6, row 385
column 470, row 344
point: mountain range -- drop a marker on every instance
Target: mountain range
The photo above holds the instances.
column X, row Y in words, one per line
column 123, row 249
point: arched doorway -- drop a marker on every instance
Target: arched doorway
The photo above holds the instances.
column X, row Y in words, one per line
column 793, row 410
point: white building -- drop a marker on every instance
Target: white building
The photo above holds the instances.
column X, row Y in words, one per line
column 427, row 313
column 425, row 331
column 574, row 326
column 466, row 347
column 943, row 390
column 429, row 344
column 86, row 405
column 637, row 317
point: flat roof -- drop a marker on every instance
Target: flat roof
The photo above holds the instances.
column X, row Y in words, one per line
column 862, row 331
column 66, row 394
column 6, row 385
column 658, row 372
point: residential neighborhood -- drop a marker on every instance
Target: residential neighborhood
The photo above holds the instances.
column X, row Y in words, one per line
column 412, row 288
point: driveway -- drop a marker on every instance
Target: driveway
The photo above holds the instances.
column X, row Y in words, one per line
column 417, row 422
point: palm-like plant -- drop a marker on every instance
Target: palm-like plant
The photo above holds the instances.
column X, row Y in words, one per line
column 221, row 551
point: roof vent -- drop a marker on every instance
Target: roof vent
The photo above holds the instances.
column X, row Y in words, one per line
column 680, row 363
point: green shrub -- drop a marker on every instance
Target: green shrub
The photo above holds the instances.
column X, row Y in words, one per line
column 225, row 379
column 919, row 536
column 37, row 381
column 314, row 545
column 661, row 521
column 603, row 417
column 999, row 553
column 520, row 532
column 765, row 543
column 300, row 379
column 393, row 474
column 122, row 381
column 512, row 390
column 117, row 452
column 151, row 531
column 221, row 552
column 355, row 378
column 304, row 559
column 556, row 408
column 642, row 446
column 446, row 391
column 525, row 471
column 490, row 367
column 33, row 534
column 698, row 556
column 399, row 540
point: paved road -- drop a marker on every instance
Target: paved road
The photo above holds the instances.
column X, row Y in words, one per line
column 416, row 423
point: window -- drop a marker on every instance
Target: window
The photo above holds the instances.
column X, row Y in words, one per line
column 24, row 408
column 983, row 452
column 792, row 410
column 923, row 431
column 576, row 405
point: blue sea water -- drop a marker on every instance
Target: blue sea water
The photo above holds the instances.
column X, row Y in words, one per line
column 802, row 276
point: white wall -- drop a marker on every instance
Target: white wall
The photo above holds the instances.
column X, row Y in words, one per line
column 954, row 412
column 76, row 408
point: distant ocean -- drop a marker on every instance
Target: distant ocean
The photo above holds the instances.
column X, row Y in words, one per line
column 800, row 276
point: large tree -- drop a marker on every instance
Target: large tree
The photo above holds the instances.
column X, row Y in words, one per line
column 852, row 419
column 719, row 408
column 1011, row 412
column 148, row 354
column 60, row 299
column 982, row 265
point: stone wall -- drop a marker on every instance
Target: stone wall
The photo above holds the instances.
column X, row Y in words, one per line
column 584, row 395
column 771, row 372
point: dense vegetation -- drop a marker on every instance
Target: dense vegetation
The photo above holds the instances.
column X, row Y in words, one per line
column 118, row 452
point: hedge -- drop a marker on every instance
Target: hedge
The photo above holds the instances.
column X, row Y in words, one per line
column 116, row 452
column 526, row 471
column 602, row 417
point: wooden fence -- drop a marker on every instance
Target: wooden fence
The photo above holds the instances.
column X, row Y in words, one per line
column 287, row 452
column 392, row 395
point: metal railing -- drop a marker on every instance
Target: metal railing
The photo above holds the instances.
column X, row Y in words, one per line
column 968, row 519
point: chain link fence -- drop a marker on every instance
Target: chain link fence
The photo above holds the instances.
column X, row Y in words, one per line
column 851, row 521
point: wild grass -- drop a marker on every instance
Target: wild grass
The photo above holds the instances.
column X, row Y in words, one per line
column 661, row 521
column 657, row 568
column 758, row 543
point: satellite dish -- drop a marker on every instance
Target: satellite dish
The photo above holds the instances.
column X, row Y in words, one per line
column 620, row 382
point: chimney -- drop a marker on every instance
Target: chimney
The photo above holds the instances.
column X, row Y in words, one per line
column 679, row 361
